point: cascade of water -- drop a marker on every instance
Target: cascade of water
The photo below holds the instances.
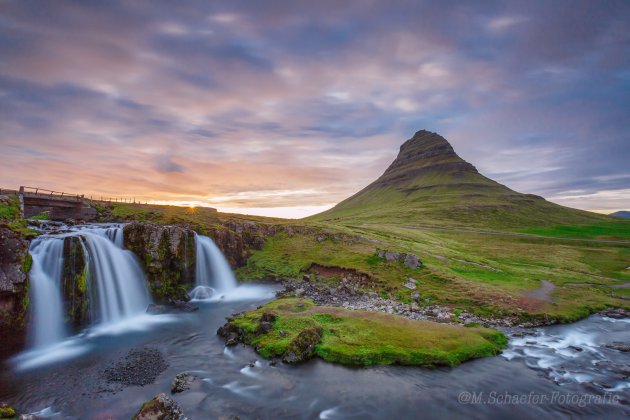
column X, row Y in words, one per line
column 212, row 271
column 47, row 324
column 116, row 282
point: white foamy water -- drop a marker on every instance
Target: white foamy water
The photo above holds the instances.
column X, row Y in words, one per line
column 116, row 285
column 576, row 353
column 47, row 323
column 212, row 269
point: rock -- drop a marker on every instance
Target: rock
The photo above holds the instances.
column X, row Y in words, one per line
column 412, row 261
column 411, row 284
column 264, row 328
column 181, row 382
column 160, row 408
column 576, row 348
column 231, row 334
column 5, row 199
column 391, row 256
column 617, row 345
column 15, row 262
column 168, row 256
column 415, row 296
column 74, row 283
column 306, row 277
column 173, row 308
column 27, row 417
column 6, row 411
column 617, row 313
column 302, row 348
column 321, row 238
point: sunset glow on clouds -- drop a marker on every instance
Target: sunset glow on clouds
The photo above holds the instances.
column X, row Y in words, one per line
column 296, row 105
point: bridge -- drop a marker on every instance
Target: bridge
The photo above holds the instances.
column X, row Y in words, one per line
column 56, row 205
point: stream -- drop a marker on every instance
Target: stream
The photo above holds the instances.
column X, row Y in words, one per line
column 563, row 370
column 228, row 385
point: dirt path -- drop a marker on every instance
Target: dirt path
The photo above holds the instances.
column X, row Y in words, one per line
column 543, row 292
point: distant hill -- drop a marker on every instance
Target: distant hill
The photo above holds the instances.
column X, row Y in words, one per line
column 623, row 214
column 429, row 184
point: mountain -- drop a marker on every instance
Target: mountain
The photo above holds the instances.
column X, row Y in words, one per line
column 623, row 214
column 429, row 184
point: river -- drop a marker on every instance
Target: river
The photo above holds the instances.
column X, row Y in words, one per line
column 549, row 375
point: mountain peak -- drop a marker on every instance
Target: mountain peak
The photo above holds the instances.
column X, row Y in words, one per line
column 426, row 152
column 428, row 183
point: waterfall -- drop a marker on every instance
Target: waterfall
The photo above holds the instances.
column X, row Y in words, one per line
column 45, row 291
column 212, row 272
column 118, row 282
column 115, row 281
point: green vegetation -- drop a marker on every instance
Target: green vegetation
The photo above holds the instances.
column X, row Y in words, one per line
column 367, row 338
column 10, row 211
column 27, row 263
column 7, row 412
column 609, row 229
column 11, row 217
column 429, row 184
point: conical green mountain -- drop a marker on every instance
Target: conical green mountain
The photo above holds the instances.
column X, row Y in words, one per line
column 429, row 184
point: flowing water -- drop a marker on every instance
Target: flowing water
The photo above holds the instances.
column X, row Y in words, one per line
column 47, row 322
column 115, row 283
column 553, row 372
column 213, row 274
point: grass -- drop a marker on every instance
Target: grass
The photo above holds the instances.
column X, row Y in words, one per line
column 11, row 217
column 613, row 229
column 368, row 338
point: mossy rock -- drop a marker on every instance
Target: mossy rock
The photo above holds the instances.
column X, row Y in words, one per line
column 301, row 330
column 7, row 412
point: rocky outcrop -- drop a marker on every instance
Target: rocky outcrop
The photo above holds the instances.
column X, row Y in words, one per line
column 182, row 382
column 74, row 283
column 160, row 408
column 15, row 263
column 410, row 260
column 302, row 348
column 167, row 254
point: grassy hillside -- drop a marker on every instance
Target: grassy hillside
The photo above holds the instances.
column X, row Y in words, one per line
column 429, row 184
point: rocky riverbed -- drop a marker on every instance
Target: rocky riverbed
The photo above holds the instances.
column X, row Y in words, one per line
column 349, row 295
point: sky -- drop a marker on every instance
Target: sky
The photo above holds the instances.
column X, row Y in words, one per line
column 285, row 108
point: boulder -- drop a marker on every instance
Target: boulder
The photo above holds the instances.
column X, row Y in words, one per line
column 160, row 408
column 302, row 348
column 173, row 308
column 412, row 261
column 616, row 313
column 230, row 333
column 181, row 382
column 266, row 323
column 6, row 411
column 617, row 345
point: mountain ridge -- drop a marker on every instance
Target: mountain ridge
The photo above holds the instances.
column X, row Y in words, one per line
column 429, row 183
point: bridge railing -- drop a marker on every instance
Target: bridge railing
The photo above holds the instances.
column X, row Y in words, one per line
column 44, row 193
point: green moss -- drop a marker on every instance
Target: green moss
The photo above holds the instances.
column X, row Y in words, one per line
column 10, row 211
column 367, row 338
column 27, row 263
column 41, row 216
column 7, row 412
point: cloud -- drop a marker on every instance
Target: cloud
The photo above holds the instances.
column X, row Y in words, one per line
column 232, row 102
